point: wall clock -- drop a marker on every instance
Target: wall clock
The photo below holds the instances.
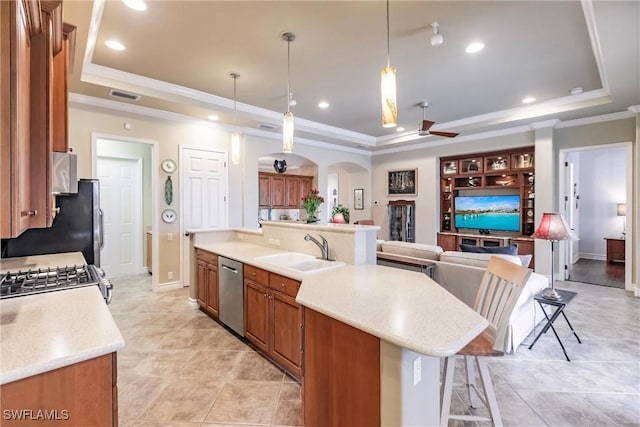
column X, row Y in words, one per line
column 169, row 216
column 169, row 166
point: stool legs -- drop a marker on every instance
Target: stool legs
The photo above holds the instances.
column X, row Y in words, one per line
column 489, row 392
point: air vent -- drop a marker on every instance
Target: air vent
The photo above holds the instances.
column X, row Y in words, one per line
column 267, row 126
column 123, row 94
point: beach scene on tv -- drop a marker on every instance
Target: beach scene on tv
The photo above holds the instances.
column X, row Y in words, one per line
column 488, row 212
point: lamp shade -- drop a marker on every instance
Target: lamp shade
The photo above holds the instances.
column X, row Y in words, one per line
column 388, row 90
column 622, row 209
column 553, row 227
column 235, row 148
column 287, row 132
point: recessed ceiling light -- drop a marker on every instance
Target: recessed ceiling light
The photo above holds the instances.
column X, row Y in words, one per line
column 115, row 45
column 576, row 90
column 138, row 5
column 528, row 100
column 213, row 117
column 474, row 47
column 323, row 105
column 400, row 129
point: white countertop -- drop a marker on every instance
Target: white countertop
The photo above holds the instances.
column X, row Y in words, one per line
column 39, row 333
column 41, row 261
column 402, row 307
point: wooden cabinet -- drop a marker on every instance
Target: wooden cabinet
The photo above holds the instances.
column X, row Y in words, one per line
column 615, row 249
column 526, row 246
column 273, row 319
column 448, row 242
column 32, row 111
column 62, row 66
column 78, row 395
column 207, row 282
column 508, row 172
column 292, row 186
column 282, row 191
column 278, row 192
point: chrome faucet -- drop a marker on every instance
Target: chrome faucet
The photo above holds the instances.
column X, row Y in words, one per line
column 324, row 246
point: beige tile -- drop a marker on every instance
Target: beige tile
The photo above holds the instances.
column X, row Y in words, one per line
column 135, row 394
column 291, row 391
column 251, row 402
column 184, row 400
column 255, row 367
column 140, row 423
column 288, row 413
column 213, row 365
column 232, row 425
column 164, row 363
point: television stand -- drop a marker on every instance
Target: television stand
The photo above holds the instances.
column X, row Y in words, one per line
column 450, row 241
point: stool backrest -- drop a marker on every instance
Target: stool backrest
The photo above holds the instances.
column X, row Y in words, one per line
column 499, row 291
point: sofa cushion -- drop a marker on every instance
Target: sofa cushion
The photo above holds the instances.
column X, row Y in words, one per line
column 475, row 259
column 504, row 250
column 416, row 250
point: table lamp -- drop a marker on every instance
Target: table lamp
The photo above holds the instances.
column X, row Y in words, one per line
column 554, row 228
column 622, row 211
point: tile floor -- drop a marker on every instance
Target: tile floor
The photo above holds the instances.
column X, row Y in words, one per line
column 598, row 272
column 181, row 369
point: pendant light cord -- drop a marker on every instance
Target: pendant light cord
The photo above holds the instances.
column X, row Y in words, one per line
column 388, row 49
column 235, row 109
column 288, row 75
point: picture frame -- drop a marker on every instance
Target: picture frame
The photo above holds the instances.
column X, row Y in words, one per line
column 402, row 182
column 358, row 199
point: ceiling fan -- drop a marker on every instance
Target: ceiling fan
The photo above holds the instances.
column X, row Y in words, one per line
column 426, row 125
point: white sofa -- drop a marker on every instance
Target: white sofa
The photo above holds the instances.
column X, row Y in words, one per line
column 461, row 273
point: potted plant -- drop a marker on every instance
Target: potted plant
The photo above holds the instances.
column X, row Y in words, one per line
column 340, row 214
column 311, row 202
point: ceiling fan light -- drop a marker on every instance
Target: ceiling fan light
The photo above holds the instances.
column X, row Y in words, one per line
column 436, row 40
column 388, row 91
column 287, row 132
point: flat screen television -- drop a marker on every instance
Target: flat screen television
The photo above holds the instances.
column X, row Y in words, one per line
column 499, row 212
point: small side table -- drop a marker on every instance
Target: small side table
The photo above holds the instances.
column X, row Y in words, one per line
column 615, row 249
column 567, row 296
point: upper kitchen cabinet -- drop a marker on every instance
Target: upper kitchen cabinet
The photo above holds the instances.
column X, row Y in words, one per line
column 19, row 22
column 281, row 191
column 36, row 55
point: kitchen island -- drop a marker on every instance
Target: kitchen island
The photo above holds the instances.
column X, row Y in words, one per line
column 367, row 329
column 58, row 352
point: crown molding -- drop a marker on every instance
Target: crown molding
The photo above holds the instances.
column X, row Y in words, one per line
column 544, row 124
column 590, row 20
column 123, row 107
column 621, row 115
column 635, row 109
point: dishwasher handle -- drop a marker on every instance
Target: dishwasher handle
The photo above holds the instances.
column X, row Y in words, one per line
column 233, row 270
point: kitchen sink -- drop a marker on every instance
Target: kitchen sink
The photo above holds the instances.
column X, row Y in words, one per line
column 300, row 262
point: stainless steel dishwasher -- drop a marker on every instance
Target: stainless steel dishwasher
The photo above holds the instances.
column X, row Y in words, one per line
column 231, row 294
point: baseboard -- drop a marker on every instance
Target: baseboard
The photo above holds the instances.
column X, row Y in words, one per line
column 193, row 303
column 169, row 286
column 637, row 290
column 595, row 257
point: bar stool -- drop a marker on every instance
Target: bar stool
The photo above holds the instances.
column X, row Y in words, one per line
column 496, row 298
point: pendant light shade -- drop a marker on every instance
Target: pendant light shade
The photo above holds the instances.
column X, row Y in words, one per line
column 388, row 89
column 287, row 122
column 235, row 138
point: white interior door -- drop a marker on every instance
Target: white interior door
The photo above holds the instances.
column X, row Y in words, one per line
column 120, row 201
column 204, row 203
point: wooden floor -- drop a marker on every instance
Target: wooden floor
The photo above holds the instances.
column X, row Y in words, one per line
column 598, row 273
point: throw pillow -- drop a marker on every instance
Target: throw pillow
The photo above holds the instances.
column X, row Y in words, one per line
column 504, row 250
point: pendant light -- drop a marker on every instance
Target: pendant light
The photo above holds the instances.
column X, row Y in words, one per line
column 388, row 89
column 287, row 123
column 235, row 138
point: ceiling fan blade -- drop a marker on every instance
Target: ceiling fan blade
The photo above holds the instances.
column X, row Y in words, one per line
column 447, row 134
column 426, row 125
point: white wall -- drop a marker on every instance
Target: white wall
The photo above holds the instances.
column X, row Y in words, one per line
column 601, row 181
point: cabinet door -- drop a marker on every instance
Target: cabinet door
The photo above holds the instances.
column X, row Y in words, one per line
column 278, row 192
column 447, row 242
column 286, row 332
column 202, row 283
column 256, row 313
column 61, row 68
column 264, row 191
column 212, row 289
column 305, row 186
column 293, row 192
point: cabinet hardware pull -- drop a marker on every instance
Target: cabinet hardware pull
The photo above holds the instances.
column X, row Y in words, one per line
column 29, row 213
column 284, row 285
column 265, row 295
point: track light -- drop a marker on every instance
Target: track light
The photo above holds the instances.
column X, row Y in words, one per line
column 436, row 38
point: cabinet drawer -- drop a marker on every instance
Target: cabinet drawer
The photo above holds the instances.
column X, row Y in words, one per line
column 207, row 257
column 256, row 274
column 284, row 284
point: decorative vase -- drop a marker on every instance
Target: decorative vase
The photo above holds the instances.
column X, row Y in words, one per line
column 311, row 217
column 339, row 218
